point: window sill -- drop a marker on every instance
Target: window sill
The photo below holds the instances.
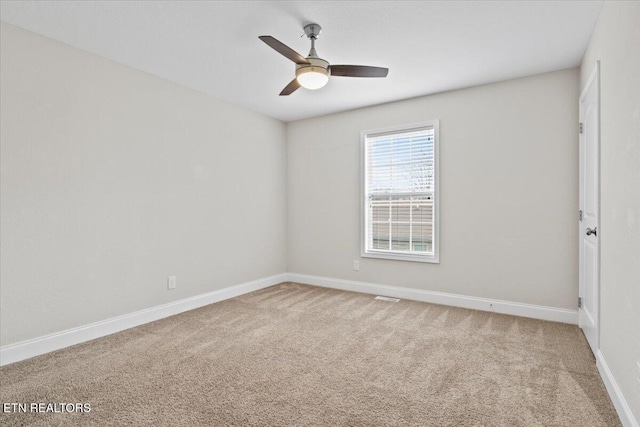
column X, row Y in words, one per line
column 433, row 259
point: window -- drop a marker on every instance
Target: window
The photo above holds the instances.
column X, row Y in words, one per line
column 400, row 193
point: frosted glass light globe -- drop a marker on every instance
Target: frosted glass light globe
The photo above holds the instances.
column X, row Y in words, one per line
column 312, row 77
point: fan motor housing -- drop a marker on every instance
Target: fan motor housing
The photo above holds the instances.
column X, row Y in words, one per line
column 315, row 65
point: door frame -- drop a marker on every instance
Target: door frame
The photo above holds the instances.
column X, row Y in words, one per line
column 594, row 78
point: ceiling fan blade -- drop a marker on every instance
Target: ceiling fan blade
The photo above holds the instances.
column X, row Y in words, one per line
column 358, row 71
column 290, row 88
column 284, row 50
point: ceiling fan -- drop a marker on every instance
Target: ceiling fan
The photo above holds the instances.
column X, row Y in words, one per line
column 313, row 72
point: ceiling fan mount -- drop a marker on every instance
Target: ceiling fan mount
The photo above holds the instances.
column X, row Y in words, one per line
column 312, row 31
column 313, row 72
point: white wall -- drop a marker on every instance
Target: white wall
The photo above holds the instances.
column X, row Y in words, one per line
column 616, row 43
column 113, row 179
column 508, row 181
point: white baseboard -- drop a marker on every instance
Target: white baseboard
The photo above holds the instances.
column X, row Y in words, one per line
column 23, row 350
column 505, row 307
column 45, row 344
column 619, row 402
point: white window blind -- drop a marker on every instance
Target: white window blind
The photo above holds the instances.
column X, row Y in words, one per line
column 400, row 193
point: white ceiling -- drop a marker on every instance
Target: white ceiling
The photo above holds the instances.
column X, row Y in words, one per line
column 213, row 46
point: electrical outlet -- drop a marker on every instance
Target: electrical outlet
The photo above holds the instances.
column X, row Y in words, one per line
column 356, row 265
column 171, row 282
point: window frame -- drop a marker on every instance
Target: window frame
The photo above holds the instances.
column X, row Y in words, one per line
column 398, row 256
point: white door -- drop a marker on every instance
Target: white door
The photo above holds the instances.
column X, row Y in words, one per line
column 588, row 224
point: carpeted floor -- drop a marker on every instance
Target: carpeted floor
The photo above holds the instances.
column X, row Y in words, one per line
column 296, row 355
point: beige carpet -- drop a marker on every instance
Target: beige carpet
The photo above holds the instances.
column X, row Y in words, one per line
column 296, row 355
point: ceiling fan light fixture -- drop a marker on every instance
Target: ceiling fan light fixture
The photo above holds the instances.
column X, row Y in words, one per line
column 312, row 77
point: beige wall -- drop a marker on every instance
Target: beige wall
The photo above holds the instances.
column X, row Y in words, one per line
column 508, row 181
column 113, row 179
column 616, row 43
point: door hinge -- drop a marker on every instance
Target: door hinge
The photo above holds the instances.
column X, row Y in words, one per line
column 580, row 127
column 579, row 302
column 580, row 215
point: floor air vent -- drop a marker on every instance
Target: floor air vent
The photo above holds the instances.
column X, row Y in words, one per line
column 387, row 299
